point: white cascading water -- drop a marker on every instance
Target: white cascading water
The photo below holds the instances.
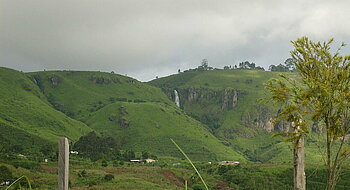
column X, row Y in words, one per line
column 177, row 99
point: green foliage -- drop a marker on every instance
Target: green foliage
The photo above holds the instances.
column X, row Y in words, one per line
column 327, row 77
column 104, row 163
column 288, row 66
column 83, row 173
column 108, row 177
column 250, row 66
column 17, row 183
column 5, row 174
column 322, row 95
column 92, row 146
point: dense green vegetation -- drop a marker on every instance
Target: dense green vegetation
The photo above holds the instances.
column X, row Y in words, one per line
column 170, row 174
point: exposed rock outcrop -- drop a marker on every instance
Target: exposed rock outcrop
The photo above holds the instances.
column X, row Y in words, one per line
column 124, row 122
column 229, row 99
column 55, row 80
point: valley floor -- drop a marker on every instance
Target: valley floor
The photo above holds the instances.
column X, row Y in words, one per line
column 168, row 175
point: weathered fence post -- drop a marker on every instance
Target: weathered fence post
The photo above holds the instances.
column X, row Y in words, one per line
column 63, row 163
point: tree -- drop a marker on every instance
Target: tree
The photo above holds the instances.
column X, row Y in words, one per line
column 288, row 66
column 145, row 155
column 323, row 95
column 104, row 163
column 205, row 64
column 327, row 76
column 108, row 177
column 5, row 174
column 289, row 96
column 278, row 68
column 248, row 65
column 289, row 63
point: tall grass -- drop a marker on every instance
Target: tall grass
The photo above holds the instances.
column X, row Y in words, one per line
column 17, row 180
column 189, row 160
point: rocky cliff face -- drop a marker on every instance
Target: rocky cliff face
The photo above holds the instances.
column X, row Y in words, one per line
column 217, row 102
column 227, row 98
column 205, row 104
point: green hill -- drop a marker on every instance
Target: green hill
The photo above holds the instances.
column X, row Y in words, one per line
column 27, row 120
column 149, row 127
column 140, row 115
column 80, row 93
column 225, row 100
column 228, row 102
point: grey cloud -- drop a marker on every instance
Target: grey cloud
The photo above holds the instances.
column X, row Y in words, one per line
column 145, row 39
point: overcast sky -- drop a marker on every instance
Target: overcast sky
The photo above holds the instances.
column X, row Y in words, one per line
column 145, row 39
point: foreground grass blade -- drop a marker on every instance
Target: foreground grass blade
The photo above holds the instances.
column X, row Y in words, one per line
column 194, row 167
column 28, row 181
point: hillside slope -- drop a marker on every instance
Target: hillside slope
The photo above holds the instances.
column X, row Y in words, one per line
column 225, row 100
column 149, row 127
column 228, row 101
column 140, row 115
column 26, row 114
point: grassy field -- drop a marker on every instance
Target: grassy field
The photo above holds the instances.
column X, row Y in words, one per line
column 164, row 175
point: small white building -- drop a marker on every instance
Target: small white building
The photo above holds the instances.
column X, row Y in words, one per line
column 136, row 161
column 228, row 163
column 21, row 155
column 5, row 183
column 149, row 160
column 74, row 152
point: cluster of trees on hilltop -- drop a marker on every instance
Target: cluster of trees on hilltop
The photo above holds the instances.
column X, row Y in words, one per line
column 95, row 148
column 245, row 65
column 203, row 67
column 287, row 66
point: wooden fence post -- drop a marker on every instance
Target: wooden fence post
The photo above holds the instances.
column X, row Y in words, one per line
column 63, row 163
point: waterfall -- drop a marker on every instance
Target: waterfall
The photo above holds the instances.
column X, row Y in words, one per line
column 177, row 99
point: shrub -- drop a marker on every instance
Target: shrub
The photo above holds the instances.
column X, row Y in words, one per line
column 82, row 173
column 5, row 174
column 197, row 187
column 104, row 163
column 108, row 177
